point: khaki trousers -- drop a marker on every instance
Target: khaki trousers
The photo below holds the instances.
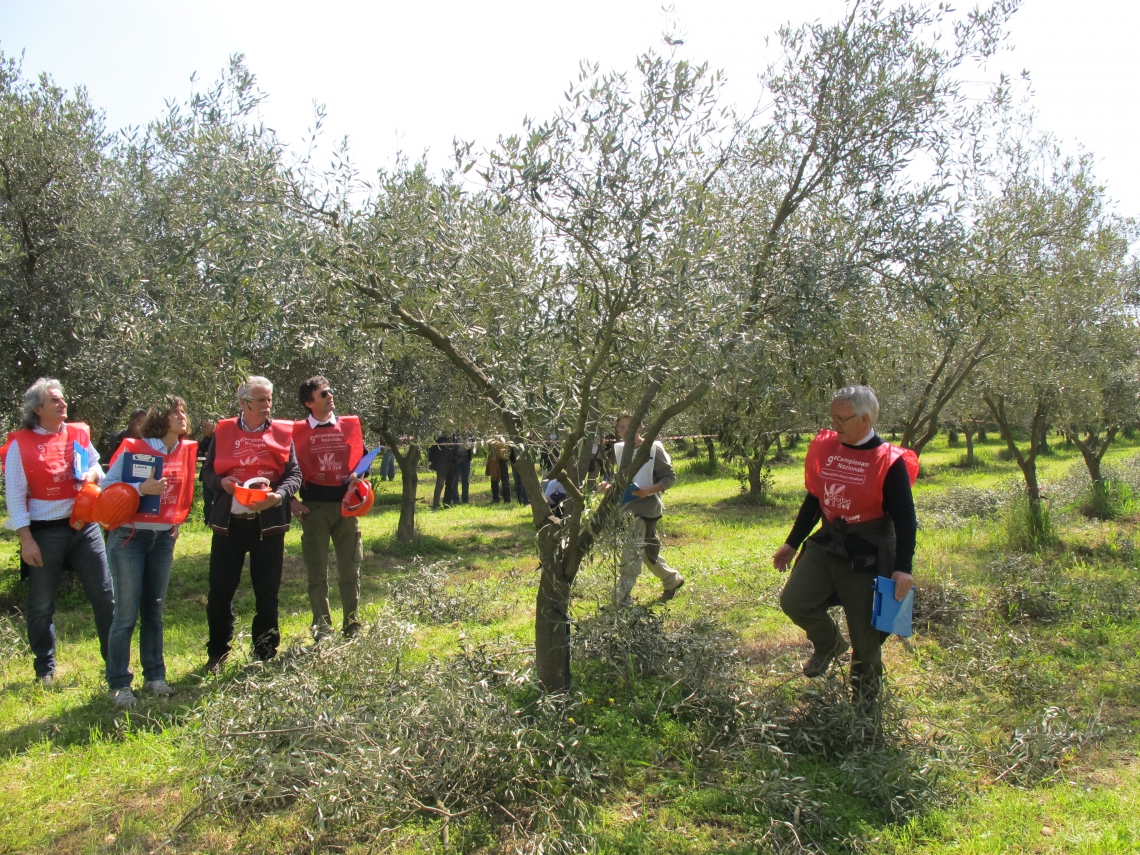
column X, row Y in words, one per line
column 820, row 580
column 642, row 547
column 321, row 524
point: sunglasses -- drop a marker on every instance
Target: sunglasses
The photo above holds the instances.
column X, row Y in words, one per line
column 324, row 393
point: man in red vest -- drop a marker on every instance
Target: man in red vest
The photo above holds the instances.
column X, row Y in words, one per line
column 45, row 464
column 859, row 486
column 252, row 446
column 328, row 448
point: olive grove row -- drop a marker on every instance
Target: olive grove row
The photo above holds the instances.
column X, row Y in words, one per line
column 881, row 218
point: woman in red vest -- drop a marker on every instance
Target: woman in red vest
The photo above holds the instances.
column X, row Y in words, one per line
column 859, row 486
column 251, row 446
column 141, row 552
column 44, row 466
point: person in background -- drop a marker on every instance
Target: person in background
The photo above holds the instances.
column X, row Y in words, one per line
column 141, row 553
column 328, row 448
column 251, row 446
column 646, row 509
column 498, row 472
column 45, row 464
column 388, row 466
column 516, row 463
column 860, row 487
column 463, row 451
column 133, row 429
column 555, row 495
column 441, row 459
column 204, row 446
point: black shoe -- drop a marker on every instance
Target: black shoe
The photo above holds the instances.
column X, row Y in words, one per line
column 214, row 663
column 820, row 661
column 669, row 594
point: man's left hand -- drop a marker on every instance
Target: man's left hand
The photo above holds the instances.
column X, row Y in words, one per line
column 903, row 583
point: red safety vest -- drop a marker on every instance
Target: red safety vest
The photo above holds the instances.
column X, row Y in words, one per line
column 49, row 461
column 178, row 469
column 252, row 454
column 328, row 454
column 848, row 481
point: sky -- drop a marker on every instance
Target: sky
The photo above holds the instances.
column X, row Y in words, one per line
column 412, row 76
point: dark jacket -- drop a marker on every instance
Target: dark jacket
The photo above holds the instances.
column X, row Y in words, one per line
column 273, row 521
column 891, row 539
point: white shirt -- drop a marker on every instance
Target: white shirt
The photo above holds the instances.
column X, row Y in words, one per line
column 22, row 508
column 644, row 476
column 867, row 438
column 313, row 423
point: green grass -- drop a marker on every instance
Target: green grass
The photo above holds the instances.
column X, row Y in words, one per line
column 1005, row 636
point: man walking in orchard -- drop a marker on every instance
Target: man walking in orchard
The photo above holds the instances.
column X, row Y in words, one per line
column 328, row 449
column 860, row 487
column 646, row 509
column 45, row 465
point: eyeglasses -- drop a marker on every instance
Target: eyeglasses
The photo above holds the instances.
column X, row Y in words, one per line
column 258, row 400
column 840, row 422
column 324, row 393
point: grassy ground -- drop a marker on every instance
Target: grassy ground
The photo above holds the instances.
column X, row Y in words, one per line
column 1011, row 723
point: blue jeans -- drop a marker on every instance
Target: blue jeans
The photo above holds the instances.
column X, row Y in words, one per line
column 81, row 551
column 520, row 489
column 140, row 562
column 462, row 476
column 388, row 467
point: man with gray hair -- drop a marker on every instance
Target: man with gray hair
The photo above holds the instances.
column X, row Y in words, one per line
column 251, row 448
column 45, row 465
column 860, row 487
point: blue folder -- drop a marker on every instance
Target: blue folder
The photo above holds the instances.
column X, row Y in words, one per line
column 628, row 496
column 136, row 469
column 365, row 462
column 81, row 459
column 891, row 615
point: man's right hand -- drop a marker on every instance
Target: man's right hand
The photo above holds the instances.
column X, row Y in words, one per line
column 30, row 550
column 229, row 482
column 784, row 557
column 297, row 508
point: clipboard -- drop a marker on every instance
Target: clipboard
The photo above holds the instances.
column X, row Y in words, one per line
column 891, row 615
column 365, row 463
column 136, row 469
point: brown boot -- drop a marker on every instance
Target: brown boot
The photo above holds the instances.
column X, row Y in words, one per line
column 820, row 661
column 214, row 663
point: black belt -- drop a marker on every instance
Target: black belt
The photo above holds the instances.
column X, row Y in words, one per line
column 40, row 525
column 243, row 516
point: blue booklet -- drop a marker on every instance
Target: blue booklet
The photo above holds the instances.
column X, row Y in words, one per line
column 628, row 496
column 891, row 615
column 136, row 469
column 81, row 459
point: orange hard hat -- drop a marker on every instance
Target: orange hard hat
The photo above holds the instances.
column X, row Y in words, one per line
column 116, row 505
column 358, row 500
column 83, row 511
column 252, row 491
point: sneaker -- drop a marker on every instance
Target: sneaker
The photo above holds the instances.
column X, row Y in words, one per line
column 123, row 697
column 214, row 663
column 670, row 593
column 47, row 680
column 158, row 687
column 820, row 660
